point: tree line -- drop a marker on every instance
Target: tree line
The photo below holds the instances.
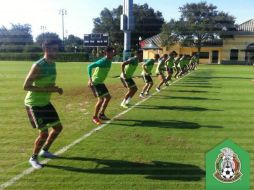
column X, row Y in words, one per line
column 198, row 23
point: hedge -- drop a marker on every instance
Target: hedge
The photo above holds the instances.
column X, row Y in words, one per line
column 62, row 57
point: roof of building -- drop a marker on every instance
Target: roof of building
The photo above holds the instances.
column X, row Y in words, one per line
column 154, row 40
column 247, row 26
column 244, row 29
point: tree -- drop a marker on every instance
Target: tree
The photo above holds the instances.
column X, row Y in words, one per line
column 167, row 35
column 48, row 35
column 147, row 23
column 199, row 23
column 17, row 35
column 73, row 43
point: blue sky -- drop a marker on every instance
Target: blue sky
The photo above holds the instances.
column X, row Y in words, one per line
column 80, row 13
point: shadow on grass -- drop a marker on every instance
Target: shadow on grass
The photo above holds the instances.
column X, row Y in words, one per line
column 178, row 108
column 197, row 86
column 156, row 170
column 162, row 124
column 214, row 77
column 190, row 91
column 183, row 98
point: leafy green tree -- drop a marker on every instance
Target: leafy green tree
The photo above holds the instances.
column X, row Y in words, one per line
column 16, row 38
column 199, row 23
column 148, row 22
column 49, row 35
column 17, row 35
column 73, row 43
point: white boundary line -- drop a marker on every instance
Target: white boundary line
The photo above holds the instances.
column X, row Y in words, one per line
column 66, row 148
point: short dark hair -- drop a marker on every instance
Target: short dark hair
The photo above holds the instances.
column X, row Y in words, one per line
column 49, row 42
column 156, row 56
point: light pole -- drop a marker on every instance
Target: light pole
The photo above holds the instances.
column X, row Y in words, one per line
column 63, row 12
column 43, row 28
column 127, row 25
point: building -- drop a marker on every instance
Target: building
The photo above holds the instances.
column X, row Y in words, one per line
column 234, row 47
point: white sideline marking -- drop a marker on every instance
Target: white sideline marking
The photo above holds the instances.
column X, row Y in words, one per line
column 64, row 149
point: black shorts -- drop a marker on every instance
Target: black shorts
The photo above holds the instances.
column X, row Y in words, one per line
column 43, row 117
column 128, row 83
column 148, row 79
column 100, row 90
column 170, row 70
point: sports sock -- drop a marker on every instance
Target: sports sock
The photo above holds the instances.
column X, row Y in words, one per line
column 128, row 100
column 34, row 156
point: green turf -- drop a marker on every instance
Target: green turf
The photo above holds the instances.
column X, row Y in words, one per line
column 160, row 144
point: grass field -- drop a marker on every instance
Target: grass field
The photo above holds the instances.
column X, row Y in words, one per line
column 160, row 144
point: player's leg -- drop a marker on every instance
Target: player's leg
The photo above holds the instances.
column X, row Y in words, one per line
column 35, row 115
column 104, row 106
column 142, row 94
column 168, row 78
column 50, row 120
column 38, row 143
column 100, row 91
column 56, row 130
column 149, row 83
column 132, row 89
column 97, row 109
column 162, row 81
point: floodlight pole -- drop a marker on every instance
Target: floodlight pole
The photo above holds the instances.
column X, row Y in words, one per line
column 63, row 12
column 127, row 25
column 43, row 28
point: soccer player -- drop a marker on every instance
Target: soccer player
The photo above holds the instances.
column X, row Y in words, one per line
column 193, row 62
column 40, row 84
column 128, row 69
column 146, row 73
column 161, row 67
column 177, row 65
column 169, row 65
column 96, row 83
column 184, row 64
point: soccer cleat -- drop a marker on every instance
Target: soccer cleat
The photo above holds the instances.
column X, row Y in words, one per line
column 167, row 84
column 35, row 163
column 102, row 116
column 96, row 120
column 141, row 95
column 124, row 106
column 46, row 154
column 157, row 89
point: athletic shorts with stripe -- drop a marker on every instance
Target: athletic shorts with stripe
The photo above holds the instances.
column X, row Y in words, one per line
column 43, row 117
column 128, row 83
column 100, row 90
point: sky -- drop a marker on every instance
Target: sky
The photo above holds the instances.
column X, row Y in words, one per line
column 80, row 13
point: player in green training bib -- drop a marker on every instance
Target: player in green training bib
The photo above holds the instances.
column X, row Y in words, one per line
column 146, row 73
column 170, row 65
column 40, row 84
column 128, row 69
column 96, row 82
column 161, row 68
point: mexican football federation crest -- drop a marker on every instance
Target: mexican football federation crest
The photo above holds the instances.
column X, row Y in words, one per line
column 227, row 166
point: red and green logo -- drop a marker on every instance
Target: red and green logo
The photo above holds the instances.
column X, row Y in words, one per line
column 227, row 167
